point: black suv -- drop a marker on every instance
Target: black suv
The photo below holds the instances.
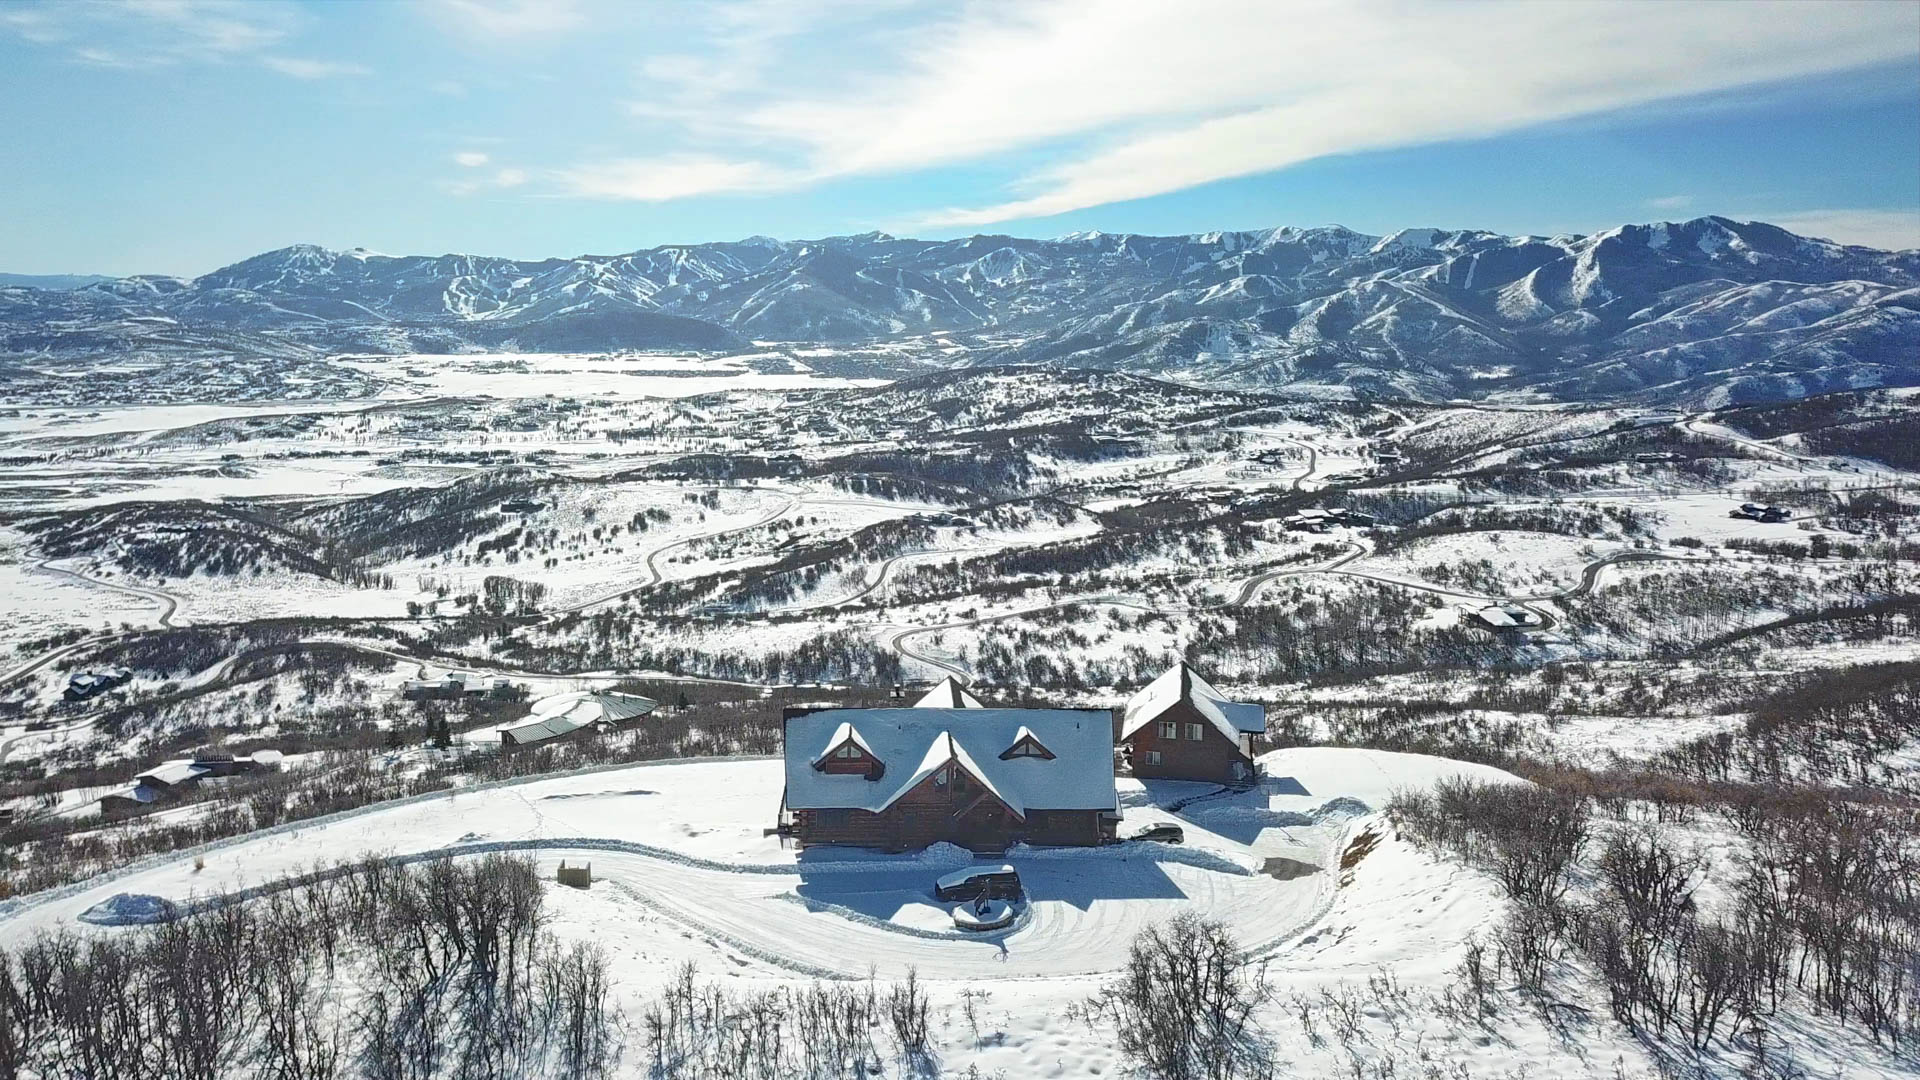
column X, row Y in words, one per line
column 1163, row 833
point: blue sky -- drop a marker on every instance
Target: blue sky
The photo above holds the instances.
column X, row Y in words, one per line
column 174, row 136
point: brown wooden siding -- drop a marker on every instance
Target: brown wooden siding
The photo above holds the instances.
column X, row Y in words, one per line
column 1211, row 758
column 959, row 812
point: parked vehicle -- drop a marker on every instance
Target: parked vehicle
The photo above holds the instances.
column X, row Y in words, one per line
column 979, row 882
column 1164, row 833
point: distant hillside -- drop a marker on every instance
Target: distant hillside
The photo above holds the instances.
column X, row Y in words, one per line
column 51, row 281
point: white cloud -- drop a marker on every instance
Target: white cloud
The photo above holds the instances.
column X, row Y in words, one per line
column 674, row 177
column 306, row 68
column 1123, row 99
column 509, row 177
column 1891, row 229
column 1671, row 202
column 471, row 159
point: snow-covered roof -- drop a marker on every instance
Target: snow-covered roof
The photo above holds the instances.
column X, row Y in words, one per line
column 1025, row 733
column 1496, row 616
column 962, row 876
column 845, row 733
column 1232, row 718
column 173, row 773
column 948, row 694
column 535, row 729
column 1508, row 615
column 585, row 707
column 913, row 743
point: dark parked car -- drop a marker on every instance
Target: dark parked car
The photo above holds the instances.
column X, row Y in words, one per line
column 1163, row 833
column 992, row 882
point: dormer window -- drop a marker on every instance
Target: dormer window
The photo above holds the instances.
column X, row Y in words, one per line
column 1025, row 745
column 847, row 752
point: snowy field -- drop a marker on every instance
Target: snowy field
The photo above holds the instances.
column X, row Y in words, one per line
column 637, row 375
column 698, row 881
column 697, row 853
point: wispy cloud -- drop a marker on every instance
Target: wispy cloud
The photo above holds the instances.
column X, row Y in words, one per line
column 33, row 25
column 307, row 68
column 1891, row 229
column 149, row 34
column 219, row 27
column 476, row 183
column 1134, row 98
column 470, row 159
column 1670, row 202
column 507, row 20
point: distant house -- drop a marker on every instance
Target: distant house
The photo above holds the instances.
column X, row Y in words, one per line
column 901, row 779
column 562, row 715
column 1508, row 617
column 1771, row 515
column 86, row 684
column 171, row 779
column 948, row 693
column 1319, row 521
column 1180, row 728
column 1314, row 521
column 453, row 686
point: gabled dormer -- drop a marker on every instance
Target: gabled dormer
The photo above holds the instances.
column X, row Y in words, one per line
column 848, row 753
column 1026, row 745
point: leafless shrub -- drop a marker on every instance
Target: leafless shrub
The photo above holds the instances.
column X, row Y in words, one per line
column 1183, row 1009
column 907, row 1013
column 454, row 978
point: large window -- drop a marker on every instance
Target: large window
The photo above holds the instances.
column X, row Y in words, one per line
column 1153, row 757
column 1196, row 732
column 1169, row 729
column 847, row 751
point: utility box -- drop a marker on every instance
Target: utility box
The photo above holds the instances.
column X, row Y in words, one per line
column 579, row 877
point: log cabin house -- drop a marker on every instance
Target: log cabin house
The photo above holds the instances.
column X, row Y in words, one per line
column 1180, row 728
column 901, row 779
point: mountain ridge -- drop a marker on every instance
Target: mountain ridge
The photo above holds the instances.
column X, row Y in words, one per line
column 1706, row 311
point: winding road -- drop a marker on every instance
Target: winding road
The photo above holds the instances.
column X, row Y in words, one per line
column 655, row 577
column 1692, row 424
column 900, row 640
column 169, row 604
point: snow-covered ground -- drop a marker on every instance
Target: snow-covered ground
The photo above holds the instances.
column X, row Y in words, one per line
column 695, row 851
column 684, row 873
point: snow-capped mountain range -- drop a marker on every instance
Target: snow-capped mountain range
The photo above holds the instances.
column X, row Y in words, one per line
column 1707, row 311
